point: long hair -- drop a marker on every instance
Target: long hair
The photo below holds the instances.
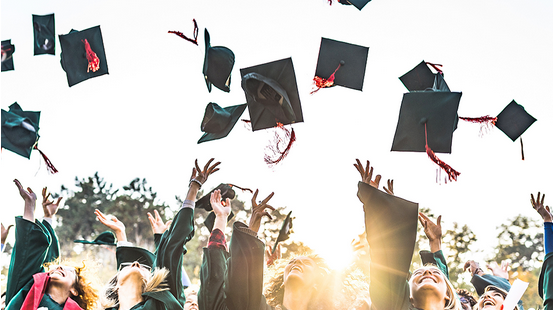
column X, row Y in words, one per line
column 335, row 290
column 453, row 302
column 156, row 282
column 86, row 283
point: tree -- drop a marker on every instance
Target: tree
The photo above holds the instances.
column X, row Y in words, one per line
column 457, row 243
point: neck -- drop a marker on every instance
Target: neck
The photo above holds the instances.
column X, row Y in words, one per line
column 130, row 293
column 296, row 299
column 430, row 303
column 58, row 294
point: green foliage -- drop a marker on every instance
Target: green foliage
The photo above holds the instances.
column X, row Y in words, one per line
column 456, row 243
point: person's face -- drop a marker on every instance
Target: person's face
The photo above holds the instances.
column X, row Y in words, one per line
column 133, row 272
column 63, row 276
column 302, row 269
column 191, row 302
column 490, row 300
column 428, row 280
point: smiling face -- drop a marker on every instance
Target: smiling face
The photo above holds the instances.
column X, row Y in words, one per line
column 191, row 302
column 302, row 270
column 63, row 276
column 428, row 281
column 491, row 300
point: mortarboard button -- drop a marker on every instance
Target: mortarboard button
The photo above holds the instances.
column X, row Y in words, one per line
column 342, row 63
column 218, row 122
column 83, row 55
column 421, row 78
column 44, row 34
column 272, row 94
column 514, row 120
column 218, row 63
column 7, row 55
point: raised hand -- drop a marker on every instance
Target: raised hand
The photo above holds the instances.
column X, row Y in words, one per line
column 473, row 267
column 390, row 189
column 433, row 231
column 258, row 211
column 112, row 223
column 49, row 207
column 367, row 174
column 4, row 233
column 539, row 207
column 270, row 258
column 201, row 175
column 220, row 208
column 158, row 227
column 30, row 201
column 499, row 271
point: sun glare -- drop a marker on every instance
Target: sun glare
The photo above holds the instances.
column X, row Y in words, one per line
column 338, row 256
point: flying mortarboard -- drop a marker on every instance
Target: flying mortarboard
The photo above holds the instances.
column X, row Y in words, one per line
column 514, row 120
column 285, row 230
column 218, row 122
column 44, row 34
column 421, row 78
column 83, row 55
column 105, row 238
column 218, row 64
column 272, row 94
column 340, row 63
column 7, row 55
column 359, row 4
column 20, row 133
column 426, row 123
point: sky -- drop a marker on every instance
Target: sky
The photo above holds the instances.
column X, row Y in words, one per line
column 143, row 118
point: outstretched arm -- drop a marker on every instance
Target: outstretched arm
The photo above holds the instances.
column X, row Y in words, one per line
column 114, row 224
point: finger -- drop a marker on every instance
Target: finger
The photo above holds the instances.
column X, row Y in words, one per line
column 206, row 167
column 377, row 179
column 30, row 190
column 278, row 250
column 193, row 175
column 439, row 221
column 151, row 219
column 532, row 201
column 268, row 207
column 8, row 229
column 268, row 198
column 213, row 171
column 168, row 223
column 18, row 184
column 359, row 167
column 227, row 203
column 46, row 199
column 268, row 251
column 267, row 215
column 59, row 200
column 424, row 216
column 157, row 215
column 542, row 199
column 254, row 198
column 44, row 193
column 391, row 185
column 538, row 200
column 212, row 168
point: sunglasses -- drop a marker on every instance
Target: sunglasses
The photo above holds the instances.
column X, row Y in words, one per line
column 125, row 265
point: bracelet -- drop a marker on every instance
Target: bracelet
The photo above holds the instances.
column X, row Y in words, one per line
column 195, row 181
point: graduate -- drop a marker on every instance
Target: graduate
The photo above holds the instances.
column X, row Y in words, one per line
column 35, row 279
column 545, row 287
column 153, row 281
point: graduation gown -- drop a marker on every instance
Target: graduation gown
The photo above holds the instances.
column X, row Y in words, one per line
column 211, row 295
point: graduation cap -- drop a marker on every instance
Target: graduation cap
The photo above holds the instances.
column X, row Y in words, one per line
column 105, row 238
column 272, row 94
column 285, row 231
column 340, row 63
column 226, row 192
column 83, row 55
column 426, row 123
column 218, row 122
column 7, row 51
column 130, row 254
column 422, row 78
column 391, row 230
column 44, row 34
column 359, row 4
column 218, row 63
column 514, row 120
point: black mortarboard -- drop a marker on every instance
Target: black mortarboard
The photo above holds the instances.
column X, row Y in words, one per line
column 391, row 230
column 514, row 120
column 83, row 55
column 272, row 94
column 210, row 220
column 285, row 230
column 130, row 254
column 359, row 4
column 226, row 192
column 422, row 78
column 436, row 109
column 20, row 130
column 105, row 238
column 346, row 61
column 218, row 122
column 7, row 51
column 44, row 31
column 218, row 63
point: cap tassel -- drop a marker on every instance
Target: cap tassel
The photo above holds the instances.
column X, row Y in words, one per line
column 452, row 174
column 49, row 164
column 435, row 66
column 322, row 83
column 275, row 150
column 485, row 122
column 521, row 148
column 93, row 60
column 180, row 34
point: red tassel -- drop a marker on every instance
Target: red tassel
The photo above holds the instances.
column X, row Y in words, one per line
column 180, row 34
column 322, row 83
column 452, row 174
column 521, row 148
column 486, row 122
column 330, row 2
column 93, row 60
column 435, row 66
column 49, row 164
column 275, row 150
column 243, row 189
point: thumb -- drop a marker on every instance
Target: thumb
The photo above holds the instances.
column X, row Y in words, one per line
column 439, row 221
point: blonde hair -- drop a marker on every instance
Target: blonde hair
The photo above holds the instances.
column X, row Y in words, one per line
column 156, row 282
column 335, row 290
column 86, row 283
column 453, row 303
